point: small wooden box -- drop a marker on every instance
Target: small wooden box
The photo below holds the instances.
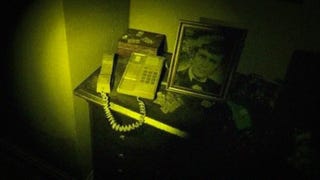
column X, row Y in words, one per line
column 140, row 41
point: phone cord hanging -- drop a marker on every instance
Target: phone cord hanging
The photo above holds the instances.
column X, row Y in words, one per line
column 118, row 127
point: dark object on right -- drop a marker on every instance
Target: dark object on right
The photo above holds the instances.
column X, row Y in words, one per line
column 297, row 103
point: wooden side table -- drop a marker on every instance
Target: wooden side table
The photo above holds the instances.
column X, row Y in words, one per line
column 149, row 152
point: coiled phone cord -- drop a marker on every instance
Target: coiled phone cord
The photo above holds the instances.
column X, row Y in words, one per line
column 113, row 123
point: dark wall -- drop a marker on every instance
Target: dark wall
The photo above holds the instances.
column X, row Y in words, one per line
column 11, row 13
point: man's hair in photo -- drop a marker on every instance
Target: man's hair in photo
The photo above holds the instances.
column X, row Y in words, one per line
column 214, row 48
column 213, row 41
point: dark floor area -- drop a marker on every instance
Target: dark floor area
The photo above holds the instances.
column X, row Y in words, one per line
column 16, row 163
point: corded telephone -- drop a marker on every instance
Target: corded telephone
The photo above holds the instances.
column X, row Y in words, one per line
column 141, row 75
column 140, row 79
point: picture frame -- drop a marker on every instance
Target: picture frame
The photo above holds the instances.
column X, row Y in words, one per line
column 204, row 59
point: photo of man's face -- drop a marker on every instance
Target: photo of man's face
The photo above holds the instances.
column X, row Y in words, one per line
column 204, row 59
column 204, row 64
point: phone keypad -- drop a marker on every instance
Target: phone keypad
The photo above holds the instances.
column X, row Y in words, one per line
column 148, row 76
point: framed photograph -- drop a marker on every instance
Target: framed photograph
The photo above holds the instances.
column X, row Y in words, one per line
column 204, row 59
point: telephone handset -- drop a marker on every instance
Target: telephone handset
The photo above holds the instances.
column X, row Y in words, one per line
column 104, row 78
column 103, row 87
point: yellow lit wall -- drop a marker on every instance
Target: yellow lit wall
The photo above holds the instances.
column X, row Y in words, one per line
column 274, row 27
column 57, row 44
column 42, row 69
column 92, row 28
